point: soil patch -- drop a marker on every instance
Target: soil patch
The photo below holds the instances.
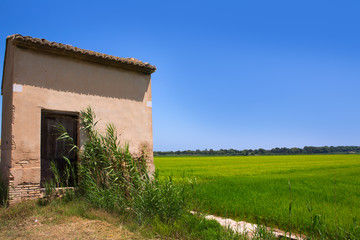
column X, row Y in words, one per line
column 69, row 228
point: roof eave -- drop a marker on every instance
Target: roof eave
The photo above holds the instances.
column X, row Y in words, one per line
column 78, row 53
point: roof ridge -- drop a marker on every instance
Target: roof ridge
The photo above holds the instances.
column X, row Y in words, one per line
column 69, row 50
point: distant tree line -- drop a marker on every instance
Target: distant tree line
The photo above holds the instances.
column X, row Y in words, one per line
column 261, row 151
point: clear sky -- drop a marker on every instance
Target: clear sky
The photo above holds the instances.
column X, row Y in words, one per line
column 231, row 74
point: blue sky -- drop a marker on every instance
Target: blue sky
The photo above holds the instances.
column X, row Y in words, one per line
column 231, row 74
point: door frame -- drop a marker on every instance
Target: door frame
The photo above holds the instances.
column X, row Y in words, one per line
column 60, row 113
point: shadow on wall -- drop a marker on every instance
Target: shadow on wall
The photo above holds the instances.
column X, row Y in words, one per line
column 72, row 75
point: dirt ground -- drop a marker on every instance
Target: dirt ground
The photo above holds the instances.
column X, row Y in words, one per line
column 69, row 228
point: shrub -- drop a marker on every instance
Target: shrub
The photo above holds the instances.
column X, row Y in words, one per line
column 159, row 199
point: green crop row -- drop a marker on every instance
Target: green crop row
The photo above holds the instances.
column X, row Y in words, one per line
column 316, row 195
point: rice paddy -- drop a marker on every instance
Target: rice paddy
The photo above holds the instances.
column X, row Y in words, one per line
column 312, row 194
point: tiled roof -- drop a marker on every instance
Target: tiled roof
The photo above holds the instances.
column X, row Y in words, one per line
column 68, row 50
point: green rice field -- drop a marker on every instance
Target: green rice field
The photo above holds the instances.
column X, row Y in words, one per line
column 312, row 194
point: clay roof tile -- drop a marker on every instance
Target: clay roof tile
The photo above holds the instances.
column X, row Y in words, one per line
column 75, row 52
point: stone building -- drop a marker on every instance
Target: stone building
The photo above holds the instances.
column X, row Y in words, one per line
column 46, row 83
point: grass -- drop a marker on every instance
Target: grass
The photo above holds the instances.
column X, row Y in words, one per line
column 323, row 201
column 63, row 220
column 113, row 180
column 78, row 219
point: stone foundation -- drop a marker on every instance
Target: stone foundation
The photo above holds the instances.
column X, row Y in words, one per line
column 24, row 191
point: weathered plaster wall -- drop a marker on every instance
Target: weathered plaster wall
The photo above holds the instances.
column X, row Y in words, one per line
column 7, row 116
column 53, row 82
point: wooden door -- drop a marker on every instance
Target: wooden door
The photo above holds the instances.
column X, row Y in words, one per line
column 53, row 149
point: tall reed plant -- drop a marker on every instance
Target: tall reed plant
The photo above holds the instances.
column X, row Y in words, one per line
column 111, row 177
